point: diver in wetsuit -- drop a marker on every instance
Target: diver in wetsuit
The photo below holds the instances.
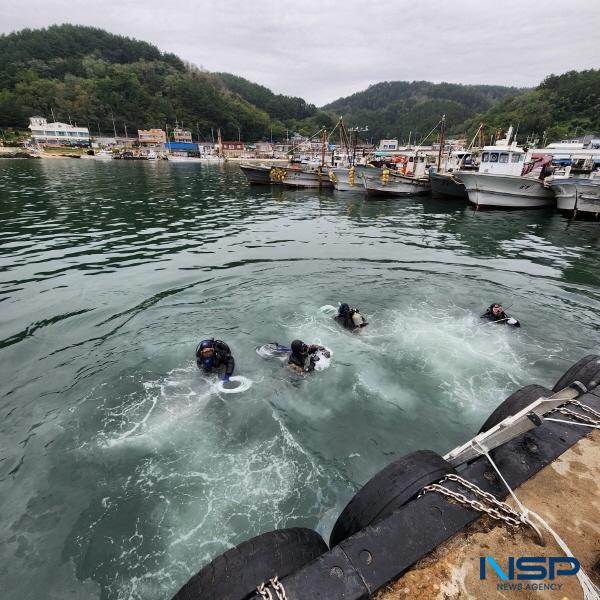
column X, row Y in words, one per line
column 212, row 355
column 496, row 313
column 350, row 318
column 303, row 357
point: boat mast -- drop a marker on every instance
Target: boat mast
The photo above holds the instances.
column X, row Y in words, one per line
column 323, row 147
column 442, row 142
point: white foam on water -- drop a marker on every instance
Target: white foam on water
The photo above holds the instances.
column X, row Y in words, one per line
column 244, row 384
column 472, row 364
column 159, row 407
column 329, row 309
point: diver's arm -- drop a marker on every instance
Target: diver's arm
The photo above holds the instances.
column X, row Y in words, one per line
column 230, row 362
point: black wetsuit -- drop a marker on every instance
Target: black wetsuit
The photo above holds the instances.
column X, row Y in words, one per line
column 303, row 356
column 489, row 314
column 221, row 358
column 344, row 317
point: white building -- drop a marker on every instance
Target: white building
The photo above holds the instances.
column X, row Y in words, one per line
column 57, row 134
column 388, row 145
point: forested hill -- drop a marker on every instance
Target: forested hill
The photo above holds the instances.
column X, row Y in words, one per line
column 562, row 106
column 394, row 108
column 89, row 75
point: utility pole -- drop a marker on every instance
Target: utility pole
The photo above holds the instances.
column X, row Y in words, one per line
column 113, row 122
column 239, row 134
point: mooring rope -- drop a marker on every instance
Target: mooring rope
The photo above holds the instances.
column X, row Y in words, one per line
column 590, row 590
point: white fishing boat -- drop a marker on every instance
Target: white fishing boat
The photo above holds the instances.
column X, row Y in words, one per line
column 175, row 158
column 151, row 155
column 103, row 155
column 390, row 183
column 304, row 177
column 577, row 194
column 347, row 179
column 499, row 181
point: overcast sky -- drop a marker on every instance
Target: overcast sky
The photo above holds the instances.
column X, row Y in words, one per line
column 321, row 49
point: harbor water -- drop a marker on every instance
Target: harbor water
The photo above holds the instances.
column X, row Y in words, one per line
column 123, row 469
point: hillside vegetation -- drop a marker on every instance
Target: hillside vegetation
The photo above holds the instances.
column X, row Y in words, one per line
column 91, row 76
column 562, row 106
column 395, row 108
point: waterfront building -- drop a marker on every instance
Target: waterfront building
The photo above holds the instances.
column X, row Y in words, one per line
column 57, row 134
column 264, row 149
column 233, row 149
column 152, row 137
column 180, row 148
column 206, row 148
column 182, row 135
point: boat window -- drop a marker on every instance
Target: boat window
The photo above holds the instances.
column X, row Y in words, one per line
column 485, row 157
column 494, row 157
column 515, row 158
column 504, row 157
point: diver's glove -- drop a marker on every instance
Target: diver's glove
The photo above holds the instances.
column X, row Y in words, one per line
column 226, row 377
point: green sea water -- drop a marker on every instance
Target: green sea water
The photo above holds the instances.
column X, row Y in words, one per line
column 123, row 469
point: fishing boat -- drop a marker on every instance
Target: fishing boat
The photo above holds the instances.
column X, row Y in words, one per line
column 305, row 177
column 500, row 181
column 391, row 183
column 309, row 176
column 103, row 155
column 347, row 179
column 257, row 174
column 446, row 185
column 577, row 194
column 179, row 158
column 443, row 182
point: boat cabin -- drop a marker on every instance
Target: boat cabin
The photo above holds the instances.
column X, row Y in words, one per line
column 504, row 158
column 502, row 161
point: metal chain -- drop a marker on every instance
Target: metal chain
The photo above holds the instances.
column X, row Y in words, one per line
column 483, row 494
column 265, row 592
column 278, row 587
column 579, row 416
column 586, row 408
column 474, row 504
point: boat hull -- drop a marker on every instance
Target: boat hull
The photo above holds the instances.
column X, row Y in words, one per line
column 445, row 185
column 306, row 179
column 505, row 191
column 184, row 159
column 257, row 174
column 577, row 194
column 343, row 182
column 396, row 185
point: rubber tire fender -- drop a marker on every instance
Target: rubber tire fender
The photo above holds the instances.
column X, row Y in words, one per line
column 388, row 491
column 515, row 403
column 235, row 574
column 587, row 371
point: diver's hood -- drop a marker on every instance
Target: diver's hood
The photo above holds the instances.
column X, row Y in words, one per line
column 344, row 309
column 298, row 347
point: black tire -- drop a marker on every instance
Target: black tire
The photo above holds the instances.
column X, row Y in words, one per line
column 515, row 403
column 237, row 573
column 389, row 490
column 587, row 371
